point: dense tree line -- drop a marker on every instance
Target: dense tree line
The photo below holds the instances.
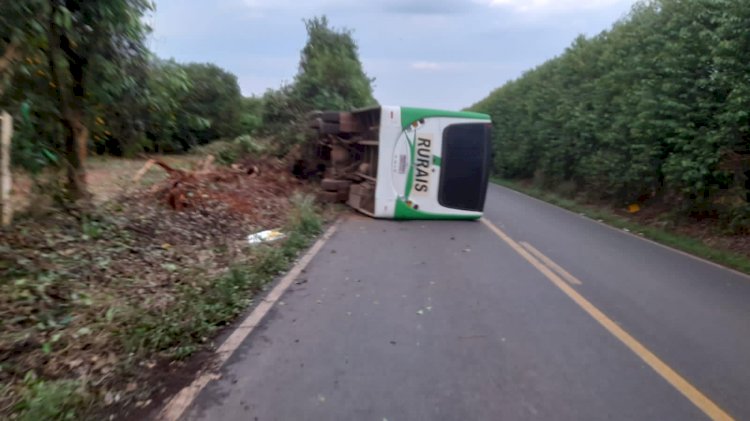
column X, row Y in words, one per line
column 77, row 77
column 656, row 108
column 178, row 107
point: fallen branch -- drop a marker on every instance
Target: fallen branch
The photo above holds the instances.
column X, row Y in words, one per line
column 168, row 169
column 206, row 165
column 137, row 177
column 248, row 170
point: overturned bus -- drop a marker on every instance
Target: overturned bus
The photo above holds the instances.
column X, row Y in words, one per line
column 404, row 163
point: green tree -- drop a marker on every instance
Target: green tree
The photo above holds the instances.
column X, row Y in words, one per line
column 330, row 74
column 731, row 62
column 85, row 46
column 168, row 85
column 251, row 114
column 211, row 107
column 330, row 77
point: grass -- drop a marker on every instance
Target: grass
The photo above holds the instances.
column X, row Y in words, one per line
column 52, row 400
column 681, row 242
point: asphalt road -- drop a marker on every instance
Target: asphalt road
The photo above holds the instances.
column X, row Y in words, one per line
column 447, row 321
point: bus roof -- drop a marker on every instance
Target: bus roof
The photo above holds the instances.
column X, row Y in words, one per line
column 411, row 114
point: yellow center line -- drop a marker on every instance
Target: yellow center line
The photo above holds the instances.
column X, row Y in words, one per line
column 666, row 372
column 552, row 265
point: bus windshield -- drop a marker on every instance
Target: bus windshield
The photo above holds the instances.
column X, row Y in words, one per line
column 465, row 166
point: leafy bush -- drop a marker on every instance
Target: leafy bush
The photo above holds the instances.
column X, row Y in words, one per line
column 228, row 152
column 304, row 216
column 51, row 400
column 737, row 220
column 251, row 117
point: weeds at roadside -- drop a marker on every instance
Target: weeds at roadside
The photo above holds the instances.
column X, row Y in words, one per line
column 51, row 400
column 228, row 152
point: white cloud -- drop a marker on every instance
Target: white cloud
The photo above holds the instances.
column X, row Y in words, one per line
column 545, row 6
column 426, row 65
column 263, row 6
column 444, row 66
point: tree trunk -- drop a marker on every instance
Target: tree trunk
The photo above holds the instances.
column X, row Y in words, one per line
column 6, row 132
column 71, row 93
column 76, row 138
column 8, row 57
column 6, row 60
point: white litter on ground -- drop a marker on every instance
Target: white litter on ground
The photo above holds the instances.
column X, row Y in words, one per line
column 266, row 236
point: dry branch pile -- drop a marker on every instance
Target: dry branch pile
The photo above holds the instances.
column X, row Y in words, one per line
column 255, row 192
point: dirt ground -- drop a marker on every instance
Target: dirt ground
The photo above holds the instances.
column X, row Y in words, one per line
column 107, row 177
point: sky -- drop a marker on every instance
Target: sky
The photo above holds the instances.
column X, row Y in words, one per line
column 426, row 53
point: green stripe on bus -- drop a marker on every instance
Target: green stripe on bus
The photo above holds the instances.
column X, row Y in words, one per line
column 410, row 115
column 403, row 211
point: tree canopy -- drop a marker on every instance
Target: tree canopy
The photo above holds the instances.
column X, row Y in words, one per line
column 330, row 77
column 655, row 107
column 330, row 74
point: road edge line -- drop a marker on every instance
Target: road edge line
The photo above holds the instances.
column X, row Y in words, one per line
column 701, row 401
column 551, row 264
column 177, row 405
column 631, row 234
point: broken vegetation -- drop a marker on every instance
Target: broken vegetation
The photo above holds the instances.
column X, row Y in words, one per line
column 92, row 306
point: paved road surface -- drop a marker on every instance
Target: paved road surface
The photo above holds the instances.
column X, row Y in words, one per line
column 446, row 321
